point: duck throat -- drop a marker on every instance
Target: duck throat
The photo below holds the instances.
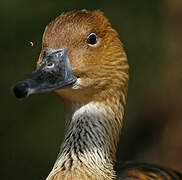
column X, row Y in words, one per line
column 89, row 147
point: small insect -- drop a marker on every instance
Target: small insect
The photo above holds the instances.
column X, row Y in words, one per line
column 31, row 43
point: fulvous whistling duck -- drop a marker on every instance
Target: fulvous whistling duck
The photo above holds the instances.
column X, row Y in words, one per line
column 83, row 61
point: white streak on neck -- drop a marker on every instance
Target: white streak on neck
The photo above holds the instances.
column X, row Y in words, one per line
column 87, row 140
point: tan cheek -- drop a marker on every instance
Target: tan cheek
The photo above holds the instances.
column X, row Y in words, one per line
column 84, row 83
column 85, row 60
column 77, row 59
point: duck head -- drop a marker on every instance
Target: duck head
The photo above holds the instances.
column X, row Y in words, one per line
column 81, row 58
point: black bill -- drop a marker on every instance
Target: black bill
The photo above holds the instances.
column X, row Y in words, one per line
column 54, row 72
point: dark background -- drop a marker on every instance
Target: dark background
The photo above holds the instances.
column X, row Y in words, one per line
column 31, row 130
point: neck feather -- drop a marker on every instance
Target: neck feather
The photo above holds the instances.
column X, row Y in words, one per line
column 89, row 147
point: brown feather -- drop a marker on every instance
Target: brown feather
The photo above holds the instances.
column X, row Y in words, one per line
column 103, row 81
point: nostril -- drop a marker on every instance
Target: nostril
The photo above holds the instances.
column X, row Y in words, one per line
column 50, row 65
column 21, row 89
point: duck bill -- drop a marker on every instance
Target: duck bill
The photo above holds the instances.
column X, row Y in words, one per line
column 54, row 72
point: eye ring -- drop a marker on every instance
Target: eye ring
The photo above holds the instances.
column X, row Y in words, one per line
column 92, row 39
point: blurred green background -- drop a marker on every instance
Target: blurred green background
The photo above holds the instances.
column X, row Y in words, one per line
column 31, row 130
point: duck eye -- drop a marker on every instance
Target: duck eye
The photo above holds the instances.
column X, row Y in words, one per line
column 92, row 39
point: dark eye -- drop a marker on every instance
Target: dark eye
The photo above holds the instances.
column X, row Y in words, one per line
column 92, row 39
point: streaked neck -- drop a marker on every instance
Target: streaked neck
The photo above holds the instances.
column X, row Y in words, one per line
column 89, row 147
